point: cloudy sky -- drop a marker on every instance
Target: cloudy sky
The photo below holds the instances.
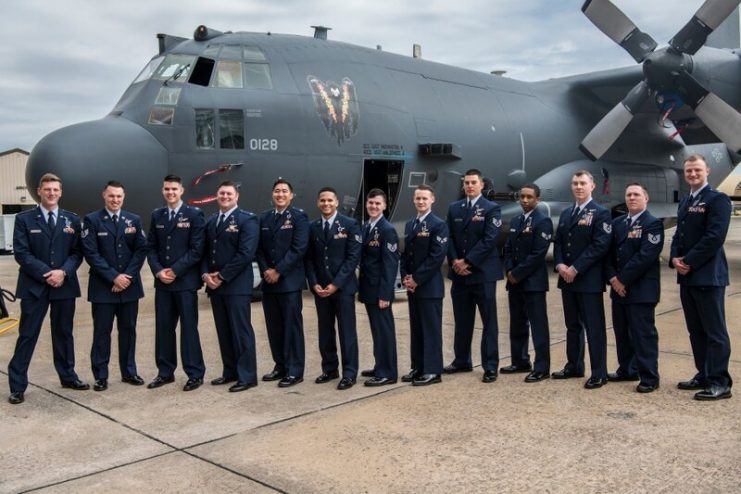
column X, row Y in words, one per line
column 68, row 61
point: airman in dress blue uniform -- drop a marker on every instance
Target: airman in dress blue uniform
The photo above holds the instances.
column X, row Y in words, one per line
column 632, row 269
column 333, row 256
column 231, row 244
column 425, row 247
column 115, row 248
column 582, row 241
column 527, row 283
column 284, row 238
column 379, row 264
column 697, row 254
column 46, row 245
column 174, row 252
column 473, row 256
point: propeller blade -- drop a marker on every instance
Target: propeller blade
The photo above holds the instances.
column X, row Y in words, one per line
column 693, row 35
column 719, row 116
column 607, row 130
column 610, row 20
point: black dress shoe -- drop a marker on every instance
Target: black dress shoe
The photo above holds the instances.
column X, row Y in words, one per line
column 536, row 376
column 595, row 382
column 273, row 375
column 413, row 374
column 345, row 383
column 76, row 384
column 241, row 387
column 566, row 374
column 193, row 383
column 290, row 381
column 426, row 379
column 100, row 385
column 513, row 369
column 647, row 388
column 451, row 369
column 714, row 392
column 16, row 398
column 489, row 376
column 379, row 381
column 615, row 377
column 218, row 381
column 160, row 381
column 368, row 373
column 133, row 380
column 692, row 384
column 326, row 377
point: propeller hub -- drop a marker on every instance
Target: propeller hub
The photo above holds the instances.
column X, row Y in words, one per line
column 662, row 68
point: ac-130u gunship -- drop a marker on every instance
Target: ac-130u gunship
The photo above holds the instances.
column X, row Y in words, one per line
column 252, row 107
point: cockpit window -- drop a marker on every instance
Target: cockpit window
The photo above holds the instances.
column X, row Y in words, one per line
column 147, row 71
column 257, row 76
column 231, row 52
column 253, row 54
column 161, row 115
column 176, row 68
column 168, row 96
column 228, row 74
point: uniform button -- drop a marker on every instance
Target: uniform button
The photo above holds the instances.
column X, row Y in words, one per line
column 167, row 257
column 215, row 240
column 168, row 247
column 568, row 244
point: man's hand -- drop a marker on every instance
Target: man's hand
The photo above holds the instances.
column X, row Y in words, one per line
column 121, row 283
column 618, row 286
column 511, row 278
column 55, row 278
column 680, row 266
column 271, row 276
column 409, row 283
column 568, row 273
column 167, row 276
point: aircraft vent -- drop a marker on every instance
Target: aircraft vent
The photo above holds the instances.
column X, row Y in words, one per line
column 440, row 150
column 320, row 32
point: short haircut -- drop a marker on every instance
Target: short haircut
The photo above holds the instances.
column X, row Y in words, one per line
column 283, row 181
column 580, row 173
column 173, row 178
column 375, row 192
column 535, row 188
column 228, row 183
column 327, row 189
column 637, row 184
column 114, row 183
column 695, row 157
column 49, row 177
column 427, row 188
column 474, row 171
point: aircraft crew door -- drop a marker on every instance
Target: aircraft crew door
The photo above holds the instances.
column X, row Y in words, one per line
column 384, row 175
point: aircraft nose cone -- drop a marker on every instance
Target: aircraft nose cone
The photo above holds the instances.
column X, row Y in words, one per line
column 87, row 155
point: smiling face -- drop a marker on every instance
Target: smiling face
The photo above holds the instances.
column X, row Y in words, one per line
column 375, row 206
column 227, row 197
column 282, row 196
column 172, row 192
column 50, row 193
column 696, row 173
column 327, row 203
column 472, row 186
column 113, row 198
column 636, row 199
column 528, row 199
column 582, row 187
column 423, row 201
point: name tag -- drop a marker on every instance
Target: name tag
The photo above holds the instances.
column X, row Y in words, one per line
column 35, row 231
column 160, row 227
column 102, row 234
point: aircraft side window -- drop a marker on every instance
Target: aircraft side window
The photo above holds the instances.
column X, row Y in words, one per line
column 231, row 129
column 228, row 74
column 147, row 71
column 257, row 76
column 253, row 54
column 201, row 74
column 205, row 131
column 168, row 96
column 176, row 68
column 231, row 52
column 160, row 115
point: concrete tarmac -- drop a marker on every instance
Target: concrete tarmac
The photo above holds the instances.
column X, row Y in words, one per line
column 458, row 436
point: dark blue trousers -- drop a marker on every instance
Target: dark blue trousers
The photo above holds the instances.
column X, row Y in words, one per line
column 233, row 320
column 285, row 326
column 705, row 314
column 33, row 312
column 383, row 330
column 340, row 307
column 528, row 311
column 426, row 334
column 171, row 306
column 585, row 312
column 466, row 298
column 637, row 341
column 100, row 353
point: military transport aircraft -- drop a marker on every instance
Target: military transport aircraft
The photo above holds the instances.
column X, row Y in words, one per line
column 252, row 107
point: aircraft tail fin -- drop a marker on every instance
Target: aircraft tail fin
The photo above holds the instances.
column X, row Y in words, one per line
column 728, row 34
